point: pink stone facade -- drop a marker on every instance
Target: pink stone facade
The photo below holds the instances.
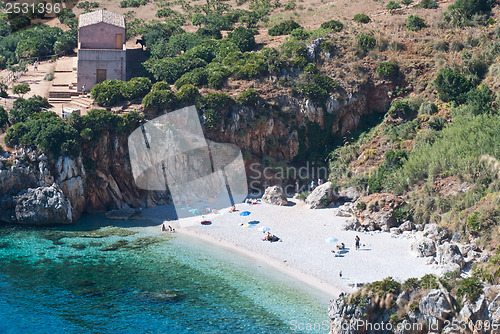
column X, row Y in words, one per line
column 101, row 53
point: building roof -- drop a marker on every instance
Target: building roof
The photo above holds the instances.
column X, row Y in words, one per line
column 99, row 16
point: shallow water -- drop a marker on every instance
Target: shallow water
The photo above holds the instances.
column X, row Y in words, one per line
column 88, row 278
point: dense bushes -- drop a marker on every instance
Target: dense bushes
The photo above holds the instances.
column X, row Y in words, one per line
column 22, row 109
column 332, row 25
column 4, row 117
column 361, row 18
column 111, row 92
column 159, row 98
column 415, row 23
column 387, row 70
column 318, row 89
column 283, row 28
column 462, row 12
column 391, row 5
column 243, row 38
column 452, row 86
column 365, row 42
column 132, row 3
column 47, row 132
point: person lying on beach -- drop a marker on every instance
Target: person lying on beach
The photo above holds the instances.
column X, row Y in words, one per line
column 271, row 238
column 233, row 209
column 341, row 246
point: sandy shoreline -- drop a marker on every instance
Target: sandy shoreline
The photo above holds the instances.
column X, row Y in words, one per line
column 303, row 252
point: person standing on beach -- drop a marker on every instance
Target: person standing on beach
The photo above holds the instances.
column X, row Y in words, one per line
column 357, row 242
column 296, row 186
column 35, row 65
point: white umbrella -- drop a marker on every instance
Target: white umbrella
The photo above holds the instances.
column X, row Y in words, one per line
column 264, row 229
column 331, row 239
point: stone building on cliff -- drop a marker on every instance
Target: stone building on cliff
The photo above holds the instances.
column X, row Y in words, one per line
column 101, row 48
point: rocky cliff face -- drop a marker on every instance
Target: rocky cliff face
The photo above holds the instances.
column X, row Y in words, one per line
column 264, row 131
column 40, row 189
column 436, row 312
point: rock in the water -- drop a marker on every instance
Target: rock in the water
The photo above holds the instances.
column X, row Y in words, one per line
column 275, row 195
column 423, row 247
column 322, row 196
column 43, row 205
column 449, row 253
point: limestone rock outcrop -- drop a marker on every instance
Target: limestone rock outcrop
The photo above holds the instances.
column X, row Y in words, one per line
column 275, row 195
column 376, row 211
column 43, row 205
column 322, row 196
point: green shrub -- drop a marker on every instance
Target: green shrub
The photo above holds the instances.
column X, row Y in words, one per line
column 66, row 42
column 480, row 100
column 319, row 89
column 391, row 5
column 470, row 288
column 361, row 18
column 283, row 28
column 19, row 22
column 407, row 2
column 381, row 288
column 22, row 109
column 108, row 93
column 300, row 33
column 427, row 108
column 452, row 86
column 415, row 23
column 387, row 70
column 21, row 89
column 243, row 38
column 218, row 101
column 303, row 195
column 197, row 77
column 249, row 98
column 366, row 42
column 462, row 12
column 212, row 118
column 400, row 108
column 395, row 159
column 429, row 281
column 428, row 4
column 3, row 90
column 4, row 117
column 188, row 95
column 332, row 25
column 361, row 206
column 159, row 100
column 136, row 87
column 47, row 132
column 65, row 14
column 132, row 3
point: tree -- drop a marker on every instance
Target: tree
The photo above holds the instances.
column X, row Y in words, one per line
column 3, row 90
column 66, row 42
column 21, row 89
column 22, row 110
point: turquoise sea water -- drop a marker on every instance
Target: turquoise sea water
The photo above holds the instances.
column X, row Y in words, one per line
column 88, row 278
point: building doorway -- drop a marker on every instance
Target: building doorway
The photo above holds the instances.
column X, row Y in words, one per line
column 118, row 41
column 100, row 76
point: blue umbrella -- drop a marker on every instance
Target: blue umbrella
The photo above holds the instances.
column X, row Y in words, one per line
column 245, row 213
column 254, row 222
column 331, row 239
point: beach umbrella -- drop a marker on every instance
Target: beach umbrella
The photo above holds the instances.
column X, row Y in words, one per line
column 264, row 229
column 331, row 239
column 254, row 222
column 195, row 211
column 245, row 213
